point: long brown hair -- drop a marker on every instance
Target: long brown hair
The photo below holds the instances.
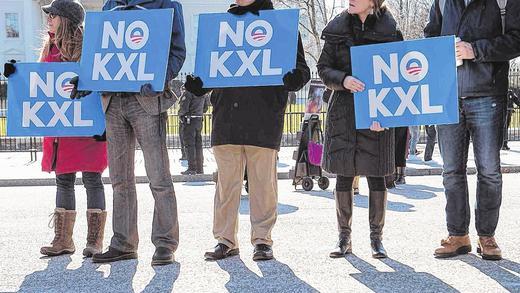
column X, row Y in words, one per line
column 68, row 39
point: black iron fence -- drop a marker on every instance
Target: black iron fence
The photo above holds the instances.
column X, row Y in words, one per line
column 293, row 117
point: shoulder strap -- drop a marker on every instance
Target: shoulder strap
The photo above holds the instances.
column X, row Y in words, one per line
column 502, row 4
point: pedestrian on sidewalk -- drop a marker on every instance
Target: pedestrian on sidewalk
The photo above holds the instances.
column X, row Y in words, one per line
column 142, row 116
column 401, row 152
column 488, row 42
column 349, row 152
column 247, row 130
column 191, row 113
column 513, row 99
column 65, row 156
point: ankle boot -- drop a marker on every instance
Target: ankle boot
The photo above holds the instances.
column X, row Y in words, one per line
column 344, row 207
column 376, row 214
column 96, row 219
column 63, row 221
column 400, row 176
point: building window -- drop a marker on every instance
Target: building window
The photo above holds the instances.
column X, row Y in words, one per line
column 12, row 25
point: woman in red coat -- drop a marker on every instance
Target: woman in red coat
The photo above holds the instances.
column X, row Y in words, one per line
column 67, row 155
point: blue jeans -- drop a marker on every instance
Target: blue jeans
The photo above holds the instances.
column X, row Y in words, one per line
column 481, row 120
column 415, row 132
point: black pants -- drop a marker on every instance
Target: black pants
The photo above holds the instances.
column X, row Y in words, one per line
column 193, row 143
column 506, row 125
column 431, row 138
column 181, row 137
column 66, row 197
column 374, row 183
column 401, row 142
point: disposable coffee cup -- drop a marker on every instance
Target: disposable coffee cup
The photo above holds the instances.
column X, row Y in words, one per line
column 460, row 62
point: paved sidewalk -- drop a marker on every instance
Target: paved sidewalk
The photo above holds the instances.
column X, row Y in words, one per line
column 304, row 234
column 18, row 171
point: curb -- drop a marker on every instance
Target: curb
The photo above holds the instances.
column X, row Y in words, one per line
column 210, row 177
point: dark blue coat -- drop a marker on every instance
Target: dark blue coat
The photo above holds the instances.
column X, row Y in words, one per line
column 177, row 47
column 480, row 24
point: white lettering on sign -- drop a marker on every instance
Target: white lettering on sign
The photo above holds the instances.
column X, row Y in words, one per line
column 135, row 36
column 414, row 68
column 257, row 34
column 49, row 85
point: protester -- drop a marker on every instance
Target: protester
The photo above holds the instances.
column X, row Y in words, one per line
column 349, row 152
column 142, row 116
column 485, row 50
column 65, row 156
column 431, row 139
column 513, row 98
column 191, row 112
column 247, row 130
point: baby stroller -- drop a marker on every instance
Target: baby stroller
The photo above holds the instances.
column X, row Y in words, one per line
column 308, row 156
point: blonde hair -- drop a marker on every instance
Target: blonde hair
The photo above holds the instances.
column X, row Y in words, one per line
column 68, row 39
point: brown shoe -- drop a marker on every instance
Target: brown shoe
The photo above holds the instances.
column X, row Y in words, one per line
column 63, row 221
column 96, row 219
column 488, row 248
column 453, row 246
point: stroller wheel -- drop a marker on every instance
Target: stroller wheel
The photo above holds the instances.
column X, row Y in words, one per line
column 323, row 183
column 307, row 184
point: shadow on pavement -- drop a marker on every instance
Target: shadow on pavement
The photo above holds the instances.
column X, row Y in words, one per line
column 500, row 271
column 164, row 278
column 276, row 277
column 57, row 278
column 403, row 279
column 412, row 191
column 283, row 209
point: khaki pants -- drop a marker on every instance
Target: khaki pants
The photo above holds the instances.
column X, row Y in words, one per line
column 263, row 192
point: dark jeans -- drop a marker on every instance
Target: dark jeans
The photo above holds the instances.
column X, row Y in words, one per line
column 66, row 197
column 193, row 143
column 346, row 183
column 431, row 138
column 401, row 146
column 481, row 120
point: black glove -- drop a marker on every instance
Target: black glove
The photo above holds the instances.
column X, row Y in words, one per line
column 9, row 68
column 101, row 138
column 292, row 80
column 194, row 85
column 148, row 92
column 75, row 93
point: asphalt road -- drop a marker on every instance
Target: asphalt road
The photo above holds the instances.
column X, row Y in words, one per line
column 304, row 234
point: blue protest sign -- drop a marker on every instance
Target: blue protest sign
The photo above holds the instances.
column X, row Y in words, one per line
column 406, row 83
column 39, row 103
column 246, row 50
column 122, row 50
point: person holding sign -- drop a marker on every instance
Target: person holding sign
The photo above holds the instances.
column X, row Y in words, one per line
column 488, row 37
column 349, row 152
column 247, row 130
column 67, row 155
column 142, row 116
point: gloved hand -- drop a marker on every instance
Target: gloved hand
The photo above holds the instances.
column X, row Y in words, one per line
column 9, row 68
column 75, row 93
column 148, row 92
column 194, row 85
column 292, row 80
column 101, row 138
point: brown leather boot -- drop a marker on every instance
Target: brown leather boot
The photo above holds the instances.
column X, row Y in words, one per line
column 453, row 246
column 96, row 219
column 488, row 248
column 63, row 227
column 376, row 217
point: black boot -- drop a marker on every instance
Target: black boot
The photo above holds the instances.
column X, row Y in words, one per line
column 390, row 181
column 344, row 207
column 400, row 176
column 113, row 255
column 376, row 217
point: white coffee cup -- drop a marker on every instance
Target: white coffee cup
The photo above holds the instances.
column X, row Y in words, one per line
column 460, row 62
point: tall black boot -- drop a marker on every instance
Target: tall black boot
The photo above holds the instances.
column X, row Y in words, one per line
column 376, row 217
column 344, row 207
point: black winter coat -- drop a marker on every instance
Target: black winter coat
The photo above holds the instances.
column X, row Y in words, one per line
column 254, row 115
column 480, row 24
column 347, row 151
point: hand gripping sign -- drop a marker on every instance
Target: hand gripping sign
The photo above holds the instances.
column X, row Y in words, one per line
column 246, row 50
column 406, row 83
column 122, row 50
column 39, row 103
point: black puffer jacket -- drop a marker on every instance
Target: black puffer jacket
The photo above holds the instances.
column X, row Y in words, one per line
column 253, row 115
column 480, row 24
column 351, row 152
